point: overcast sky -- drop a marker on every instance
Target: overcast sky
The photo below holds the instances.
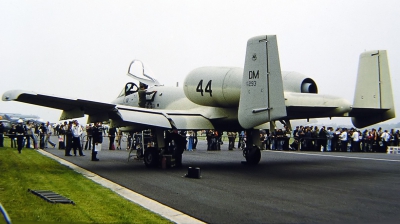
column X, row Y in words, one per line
column 82, row 49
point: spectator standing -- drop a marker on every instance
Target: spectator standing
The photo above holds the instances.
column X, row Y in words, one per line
column 241, row 137
column 89, row 133
column 30, row 133
column 68, row 138
column 343, row 140
column 190, row 140
column 42, row 134
column 195, row 140
column 2, row 129
column 76, row 137
column 355, row 144
column 272, row 139
column 61, row 137
column 119, row 139
column 48, row 135
column 97, row 134
column 322, row 138
column 329, row 137
column 12, row 133
column 112, row 132
column 287, row 136
column 20, row 132
column 308, row 139
column 280, row 139
column 391, row 140
column 385, row 138
column 231, row 140
column 396, row 138
column 365, row 141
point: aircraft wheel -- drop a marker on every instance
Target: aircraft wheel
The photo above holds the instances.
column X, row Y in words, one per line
column 151, row 157
column 252, row 155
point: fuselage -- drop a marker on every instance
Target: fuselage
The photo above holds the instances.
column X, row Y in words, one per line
column 298, row 105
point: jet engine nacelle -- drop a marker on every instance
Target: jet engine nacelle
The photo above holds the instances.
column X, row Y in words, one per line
column 214, row 86
column 298, row 83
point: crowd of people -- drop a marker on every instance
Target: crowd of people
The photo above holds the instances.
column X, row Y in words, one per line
column 313, row 138
column 30, row 135
column 71, row 135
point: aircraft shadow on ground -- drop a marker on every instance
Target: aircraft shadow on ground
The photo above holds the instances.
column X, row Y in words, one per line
column 278, row 169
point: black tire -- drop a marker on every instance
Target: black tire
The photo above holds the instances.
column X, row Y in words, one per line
column 253, row 155
column 151, row 157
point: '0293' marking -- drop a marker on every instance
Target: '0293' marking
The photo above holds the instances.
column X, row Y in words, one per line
column 251, row 83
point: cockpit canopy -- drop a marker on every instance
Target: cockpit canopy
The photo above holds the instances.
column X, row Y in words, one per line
column 142, row 73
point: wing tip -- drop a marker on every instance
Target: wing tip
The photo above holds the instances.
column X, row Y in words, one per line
column 14, row 94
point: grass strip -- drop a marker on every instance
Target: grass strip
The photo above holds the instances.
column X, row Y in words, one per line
column 94, row 203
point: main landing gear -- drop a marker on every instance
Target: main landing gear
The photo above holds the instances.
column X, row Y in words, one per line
column 252, row 155
column 252, row 151
column 158, row 148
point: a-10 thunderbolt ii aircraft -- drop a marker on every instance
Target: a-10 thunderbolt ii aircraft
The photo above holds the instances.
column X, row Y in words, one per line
column 231, row 99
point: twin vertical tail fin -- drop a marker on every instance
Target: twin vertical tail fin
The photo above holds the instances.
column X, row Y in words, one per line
column 261, row 97
column 373, row 98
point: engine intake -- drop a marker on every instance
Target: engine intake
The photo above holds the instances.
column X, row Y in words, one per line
column 298, row 83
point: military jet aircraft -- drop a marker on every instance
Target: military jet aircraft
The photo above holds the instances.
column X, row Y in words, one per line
column 229, row 99
column 9, row 119
column 14, row 117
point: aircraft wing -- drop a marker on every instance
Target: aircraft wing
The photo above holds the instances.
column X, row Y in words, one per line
column 126, row 115
column 72, row 108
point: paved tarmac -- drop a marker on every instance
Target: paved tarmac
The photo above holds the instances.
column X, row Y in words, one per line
column 285, row 187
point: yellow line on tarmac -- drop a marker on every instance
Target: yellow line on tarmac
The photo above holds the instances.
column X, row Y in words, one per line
column 154, row 206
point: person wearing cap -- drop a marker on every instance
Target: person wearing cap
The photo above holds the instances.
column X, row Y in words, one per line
column 76, row 137
column 20, row 132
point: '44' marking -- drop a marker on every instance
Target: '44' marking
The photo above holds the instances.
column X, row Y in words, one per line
column 207, row 89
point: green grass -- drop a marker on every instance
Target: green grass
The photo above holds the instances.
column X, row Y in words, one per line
column 94, row 203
